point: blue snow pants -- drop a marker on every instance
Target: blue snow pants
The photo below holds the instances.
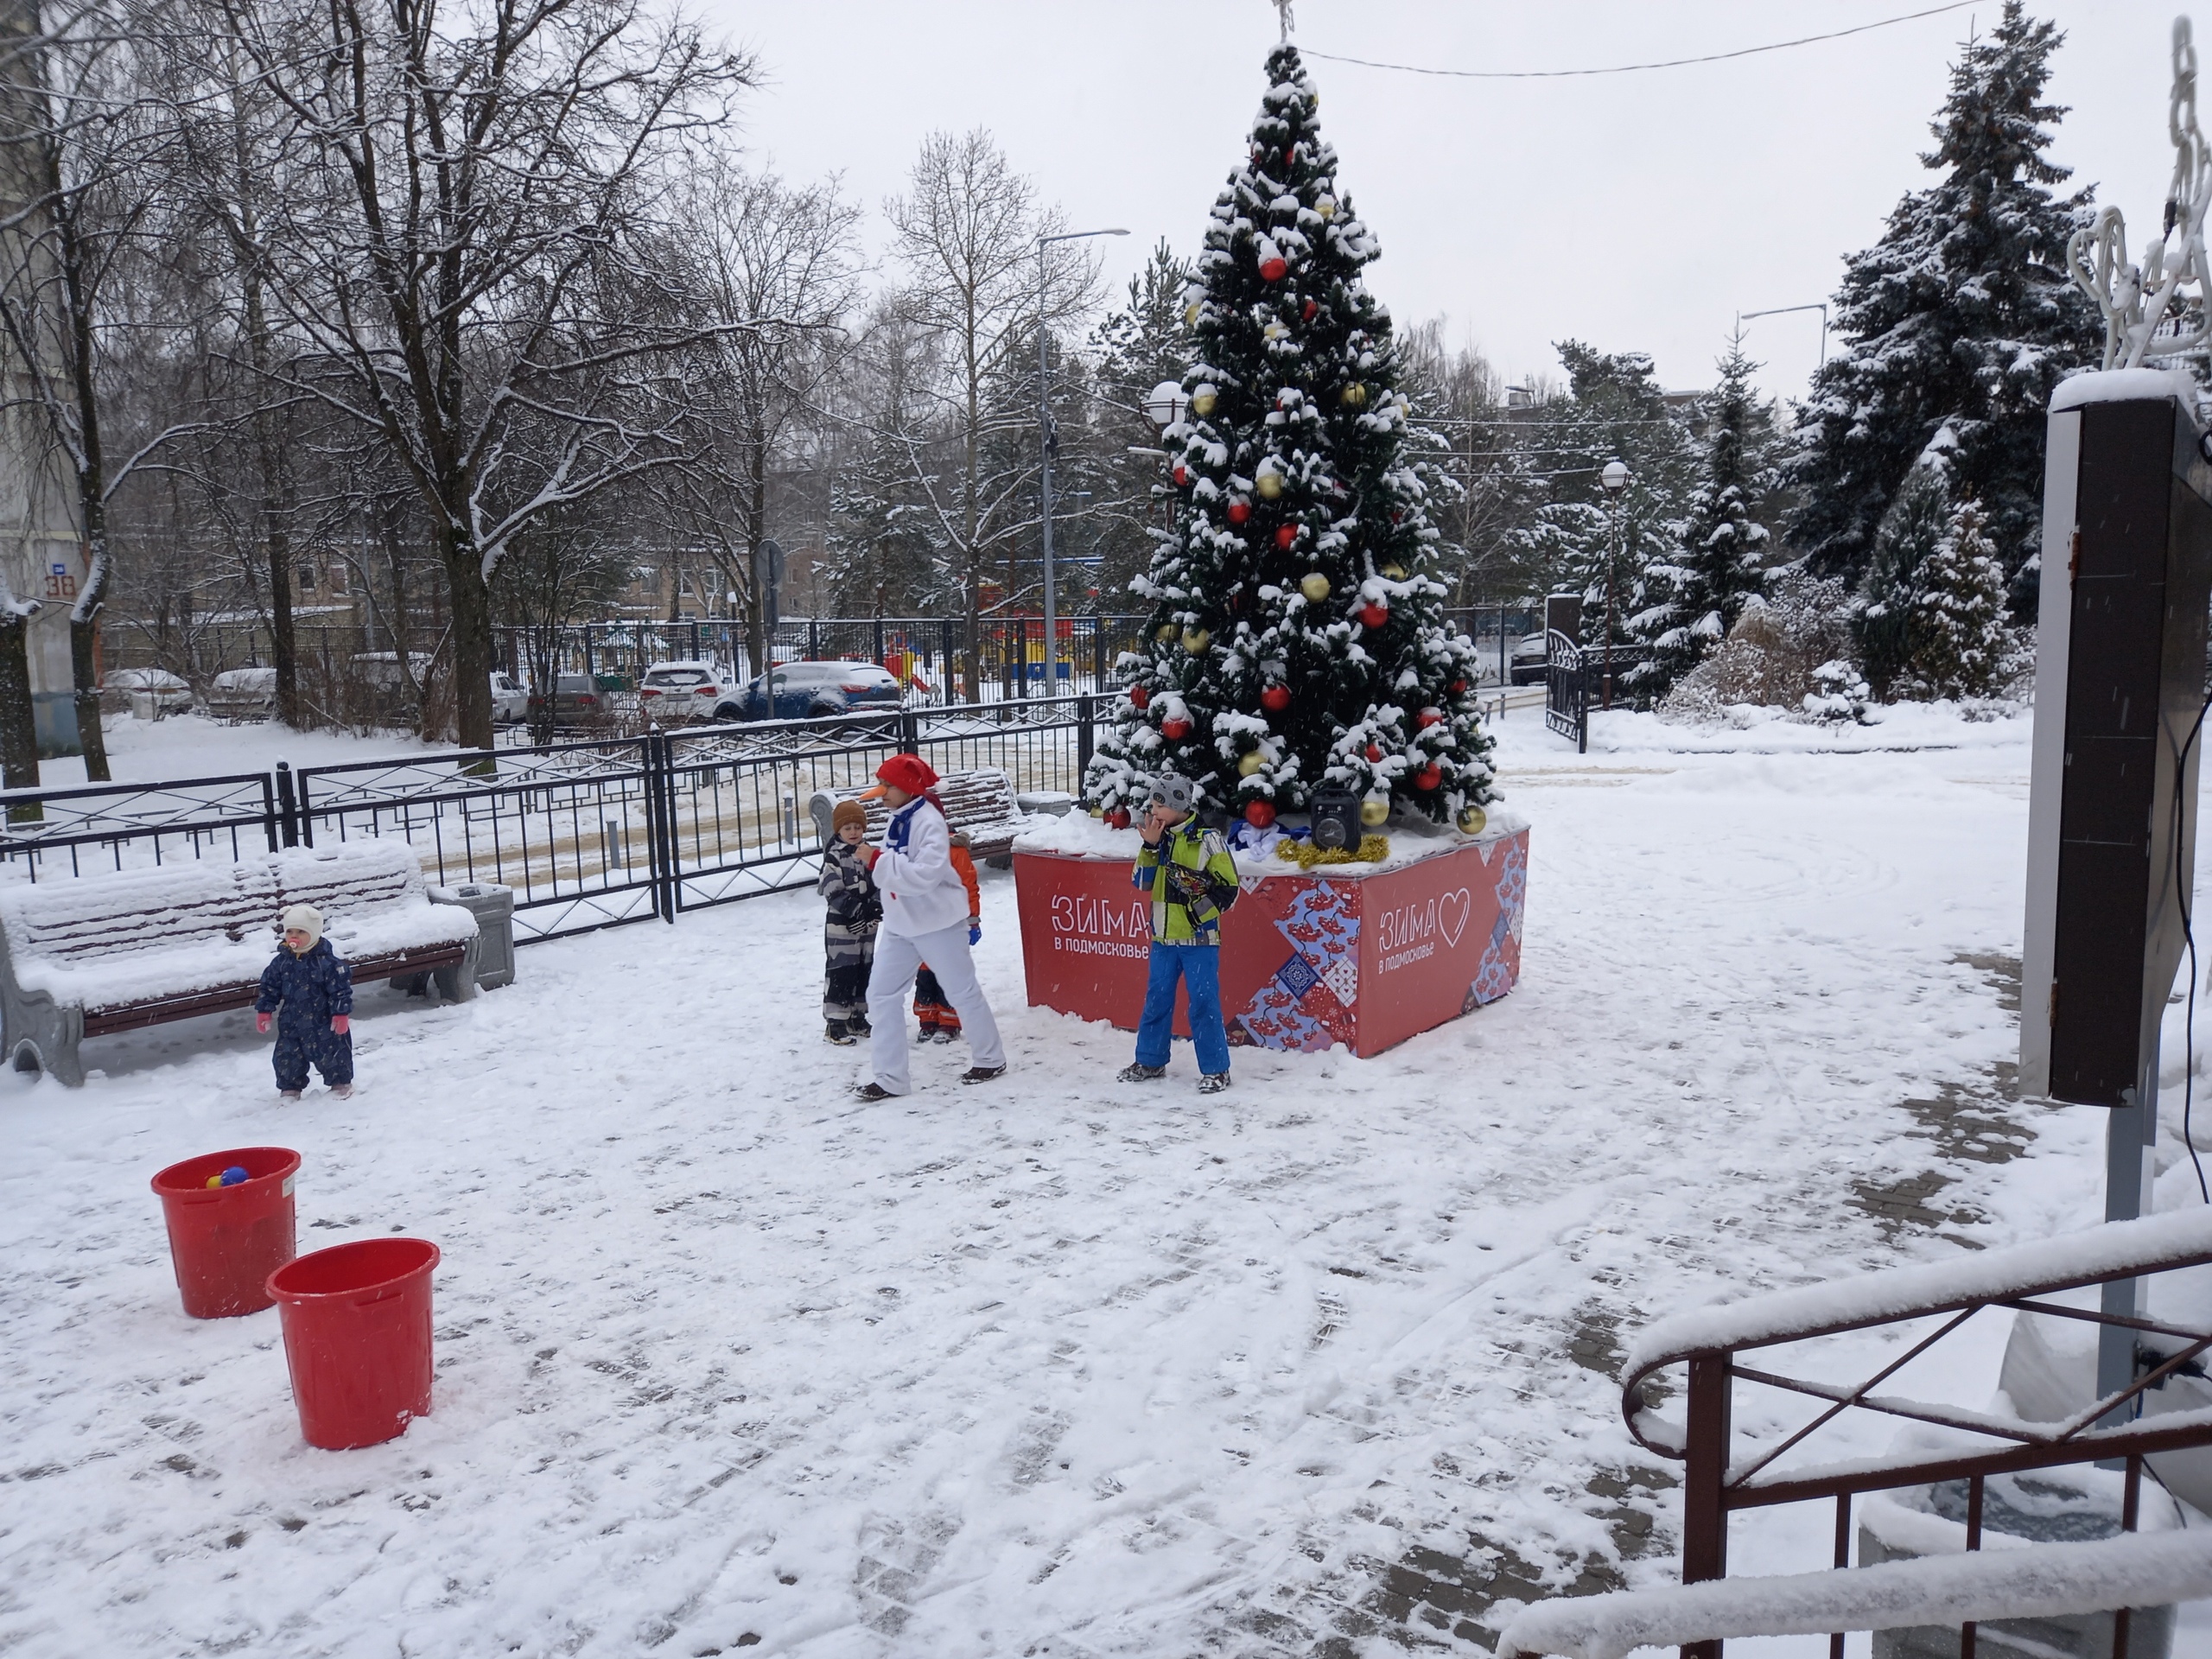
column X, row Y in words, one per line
column 1198, row 966
column 304, row 1040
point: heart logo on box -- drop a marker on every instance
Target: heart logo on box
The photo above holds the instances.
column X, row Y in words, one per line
column 1451, row 912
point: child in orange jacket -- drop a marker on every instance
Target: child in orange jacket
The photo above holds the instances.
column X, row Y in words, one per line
column 940, row 1021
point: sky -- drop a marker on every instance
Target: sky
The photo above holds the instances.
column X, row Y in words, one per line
column 1635, row 212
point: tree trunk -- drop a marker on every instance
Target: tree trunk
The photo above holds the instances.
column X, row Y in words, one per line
column 84, row 640
column 18, row 725
column 472, row 643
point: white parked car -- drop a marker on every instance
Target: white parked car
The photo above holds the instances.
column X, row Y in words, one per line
column 243, row 694
column 510, row 702
column 675, row 691
column 148, row 692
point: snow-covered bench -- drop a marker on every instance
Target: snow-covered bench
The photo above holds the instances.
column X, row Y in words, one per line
column 979, row 802
column 87, row 956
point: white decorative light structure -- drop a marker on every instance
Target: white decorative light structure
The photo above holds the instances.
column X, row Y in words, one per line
column 2145, row 314
column 1166, row 405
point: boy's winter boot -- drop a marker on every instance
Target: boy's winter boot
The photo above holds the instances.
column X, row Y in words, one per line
column 1213, row 1083
column 836, row 1031
column 1136, row 1071
column 343, row 1090
column 287, row 1094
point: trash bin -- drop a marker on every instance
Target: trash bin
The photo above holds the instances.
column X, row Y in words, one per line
column 357, row 1338
column 493, row 907
column 226, row 1241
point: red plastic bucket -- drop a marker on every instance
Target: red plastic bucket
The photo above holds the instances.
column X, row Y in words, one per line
column 357, row 1336
column 226, row 1241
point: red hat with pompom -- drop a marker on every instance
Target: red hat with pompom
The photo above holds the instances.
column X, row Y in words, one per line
column 907, row 772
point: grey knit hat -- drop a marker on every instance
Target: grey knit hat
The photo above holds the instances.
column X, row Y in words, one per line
column 1177, row 794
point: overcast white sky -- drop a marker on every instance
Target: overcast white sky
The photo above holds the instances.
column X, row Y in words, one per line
column 1636, row 211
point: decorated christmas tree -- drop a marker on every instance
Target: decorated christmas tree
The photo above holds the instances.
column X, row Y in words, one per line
column 1296, row 637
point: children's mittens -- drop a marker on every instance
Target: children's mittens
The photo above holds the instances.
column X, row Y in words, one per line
column 975, row 932
column 341, row 1023
column 261, row 1023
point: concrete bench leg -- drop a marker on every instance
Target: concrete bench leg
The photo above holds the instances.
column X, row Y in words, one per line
column 44, row 1038
column 457, row 980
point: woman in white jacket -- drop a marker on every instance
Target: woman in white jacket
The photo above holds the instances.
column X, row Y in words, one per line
column 925, row 921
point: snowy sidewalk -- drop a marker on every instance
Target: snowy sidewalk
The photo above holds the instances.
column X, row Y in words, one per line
column 726, row 1358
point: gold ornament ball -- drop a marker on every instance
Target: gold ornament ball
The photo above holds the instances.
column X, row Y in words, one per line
column 1097, row 811
column 1374, row 813
column 1164, row 632
column 1268, row 485
column 1315, row 588
column 1191, row 314
column 1203, row 404
column 1251, row 763
column 1195, row 640
column 1471, row 820
column 1393, row 571
column 1274, row 331
column 1354, row 395
column 1326, row 206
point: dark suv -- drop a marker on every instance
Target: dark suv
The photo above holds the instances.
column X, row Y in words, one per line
column 813, row 691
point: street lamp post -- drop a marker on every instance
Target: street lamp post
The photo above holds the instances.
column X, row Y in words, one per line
column 1743, row 317
column 1615, row 478
column 1051, row 442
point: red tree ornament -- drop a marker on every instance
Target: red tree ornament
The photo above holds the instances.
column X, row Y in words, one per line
column 1139, row 697
column 1458, row 688
column 1174, row 729
column 1275, row 698
column 1313, row 309
column 1239, row 511
column 1374, row 614
column 1274, row 270
column 1182, row 476
column 1286, row 536
column 1428, row 776
column 1374, row 754
column 1118, row 818
column 1260, row 814
column 1429, row 717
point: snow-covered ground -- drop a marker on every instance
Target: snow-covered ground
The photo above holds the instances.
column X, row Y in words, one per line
column 727, row 1359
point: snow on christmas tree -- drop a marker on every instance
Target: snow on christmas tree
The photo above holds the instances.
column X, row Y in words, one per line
column 1962, row 318
column 1693, row 599
column 1296, row 639
column 1959, row 643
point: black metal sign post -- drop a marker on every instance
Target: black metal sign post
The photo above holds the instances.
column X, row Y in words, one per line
column 2112, row 815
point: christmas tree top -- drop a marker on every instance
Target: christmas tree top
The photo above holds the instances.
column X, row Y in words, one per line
column 1297, row 640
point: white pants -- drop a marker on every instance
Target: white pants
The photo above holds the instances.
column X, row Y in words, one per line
column 897, row 959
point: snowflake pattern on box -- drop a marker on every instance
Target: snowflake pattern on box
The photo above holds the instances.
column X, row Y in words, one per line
column 1308, row 1005
column 1494, row 975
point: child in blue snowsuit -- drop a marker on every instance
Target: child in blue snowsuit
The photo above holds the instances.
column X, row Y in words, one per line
column 310, row 990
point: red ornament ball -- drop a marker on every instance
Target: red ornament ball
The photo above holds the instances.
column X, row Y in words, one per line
column 1239, row 511
column 1182, row 476
column 1429, row 717
column 1139, row 697
column 1313, row 309
column 1428, row 776
column 1275, row 698
column 1374, row 754
column 1286, row 536
column 1174, row 729
column 1260, row 814
column 1458, row 688
column 1290, row 156
column 1119, row 817
column 1374, row 614
column 1274, row 270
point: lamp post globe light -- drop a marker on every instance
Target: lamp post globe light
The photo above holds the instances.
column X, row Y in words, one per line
column 1615, row 478
column 1164, row 405
column 1050, row 442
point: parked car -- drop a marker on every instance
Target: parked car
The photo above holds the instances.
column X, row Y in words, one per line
column 510, row 702
column 240, row 694
column 575, row 697
column 149, row 692
column 681, row 691
column 813, row 691
column 1529, row 660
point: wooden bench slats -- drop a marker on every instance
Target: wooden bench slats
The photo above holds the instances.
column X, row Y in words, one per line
column 220, row 999
column 979, row 801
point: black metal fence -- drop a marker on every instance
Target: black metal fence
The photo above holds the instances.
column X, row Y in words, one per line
column 1566, row 689
column 589, row 835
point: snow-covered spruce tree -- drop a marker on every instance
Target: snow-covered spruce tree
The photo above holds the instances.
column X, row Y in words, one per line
column 1694, row 598
column 1959, row 645
column 1884, row 611
column 1296, row 637
column 1960, row 316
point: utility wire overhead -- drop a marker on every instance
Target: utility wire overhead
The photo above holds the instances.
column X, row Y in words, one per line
column 1632, row 68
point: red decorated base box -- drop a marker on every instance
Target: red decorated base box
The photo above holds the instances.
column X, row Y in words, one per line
column 1362, row 955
